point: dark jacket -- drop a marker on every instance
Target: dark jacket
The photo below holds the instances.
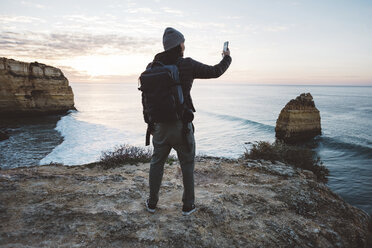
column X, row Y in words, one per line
column 190, row 69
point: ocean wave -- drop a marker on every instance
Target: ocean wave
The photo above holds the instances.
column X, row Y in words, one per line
column 356, row 150
column 243, row 121
column 83, row 141
column 353, row 149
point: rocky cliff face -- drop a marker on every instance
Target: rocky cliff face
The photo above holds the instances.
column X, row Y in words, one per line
column 239, row 204
column 299, row 120
column 33, row 88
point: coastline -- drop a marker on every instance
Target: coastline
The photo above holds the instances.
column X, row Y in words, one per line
column 240, row 203
column 114, row 119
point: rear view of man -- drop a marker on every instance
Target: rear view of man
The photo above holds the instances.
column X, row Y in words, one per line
column 168, row 135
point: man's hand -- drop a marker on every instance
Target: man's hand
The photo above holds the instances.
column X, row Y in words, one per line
column 226, row 53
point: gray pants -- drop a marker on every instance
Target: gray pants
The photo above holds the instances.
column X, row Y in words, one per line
column 165, row 137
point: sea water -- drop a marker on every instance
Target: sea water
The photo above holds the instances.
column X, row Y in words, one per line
column 228, row 116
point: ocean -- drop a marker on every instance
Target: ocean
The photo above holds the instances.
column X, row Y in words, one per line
column 228, row 116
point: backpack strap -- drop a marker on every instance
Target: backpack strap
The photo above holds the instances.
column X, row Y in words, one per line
column 154, row 63
column 178, row 61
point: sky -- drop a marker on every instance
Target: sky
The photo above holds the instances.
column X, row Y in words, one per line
column 325, row 42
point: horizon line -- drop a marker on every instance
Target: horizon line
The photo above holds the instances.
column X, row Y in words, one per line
column 243, row 83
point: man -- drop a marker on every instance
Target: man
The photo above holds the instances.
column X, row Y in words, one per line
column 168, row 135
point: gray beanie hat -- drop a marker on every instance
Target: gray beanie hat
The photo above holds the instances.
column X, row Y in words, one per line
column 172, row 38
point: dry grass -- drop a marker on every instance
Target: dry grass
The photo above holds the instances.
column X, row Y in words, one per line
column 126, row 154
column 300, row 157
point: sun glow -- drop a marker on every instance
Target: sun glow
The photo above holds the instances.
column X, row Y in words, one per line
column 116, row 39
column 102, row 65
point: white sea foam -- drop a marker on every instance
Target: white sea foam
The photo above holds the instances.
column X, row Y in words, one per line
column 84, row 141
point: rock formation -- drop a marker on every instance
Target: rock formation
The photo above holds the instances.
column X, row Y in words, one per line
column 33, row 88
column 239, row 204
column 299, row 120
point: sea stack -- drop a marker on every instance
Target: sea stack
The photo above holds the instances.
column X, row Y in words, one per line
column 33, row 88
column 299, row 120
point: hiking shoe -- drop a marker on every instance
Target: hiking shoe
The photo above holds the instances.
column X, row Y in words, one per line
column 150, row 208
column 188, row 210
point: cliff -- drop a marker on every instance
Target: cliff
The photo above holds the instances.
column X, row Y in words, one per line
column 299, row 120
column 33, row 88
column 239, row 204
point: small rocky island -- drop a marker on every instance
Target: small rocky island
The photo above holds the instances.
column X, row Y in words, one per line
column 299, row 120
column 33, row 89
column 240, row 203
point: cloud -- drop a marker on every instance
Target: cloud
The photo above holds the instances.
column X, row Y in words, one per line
column 34, row 5
column 66, row 45
column 116, row 78
column 90, row 24
column 172, row 11
column 140, row 25
column 83, row 18
column 141, row 11
column 203, row 25
column 165, row 10
column 8, row 19
column 76, row 76
column 72, row 74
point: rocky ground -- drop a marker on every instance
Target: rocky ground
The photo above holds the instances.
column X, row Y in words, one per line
column 239, row 204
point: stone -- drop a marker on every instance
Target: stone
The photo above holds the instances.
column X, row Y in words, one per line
column 33, row 88
column 37, row 71
column 247, row 206
column 299, row 120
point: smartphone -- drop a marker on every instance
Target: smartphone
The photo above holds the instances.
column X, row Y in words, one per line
column 225, row 46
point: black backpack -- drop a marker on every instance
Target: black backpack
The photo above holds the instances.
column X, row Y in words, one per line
column 162, row 95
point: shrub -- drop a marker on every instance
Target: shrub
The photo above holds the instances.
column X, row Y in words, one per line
column 125, row 154
column 301, row 157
